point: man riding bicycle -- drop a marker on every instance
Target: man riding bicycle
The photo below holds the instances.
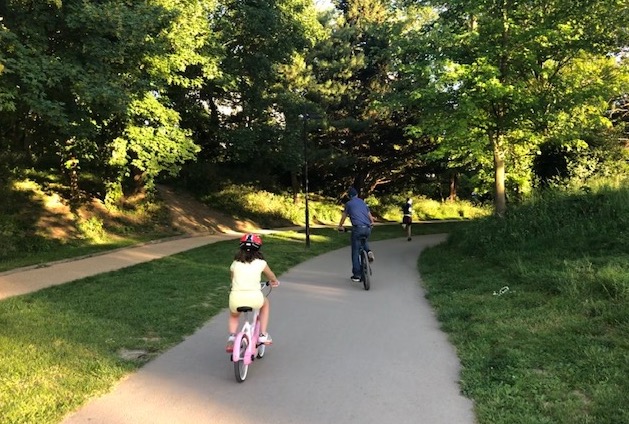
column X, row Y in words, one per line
column 362, row 221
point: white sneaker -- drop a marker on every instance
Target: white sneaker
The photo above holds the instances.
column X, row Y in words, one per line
column 265, row 338
column 370, row 256
column 230, row 343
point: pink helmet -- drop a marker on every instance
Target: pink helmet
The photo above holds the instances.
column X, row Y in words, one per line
column 250, row 242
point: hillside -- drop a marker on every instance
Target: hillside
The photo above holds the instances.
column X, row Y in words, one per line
column 190, row 216
column 37, row 225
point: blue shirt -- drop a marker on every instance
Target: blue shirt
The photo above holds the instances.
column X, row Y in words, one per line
column 358, row 211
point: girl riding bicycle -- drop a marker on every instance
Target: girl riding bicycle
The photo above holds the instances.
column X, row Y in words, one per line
column 246, row 270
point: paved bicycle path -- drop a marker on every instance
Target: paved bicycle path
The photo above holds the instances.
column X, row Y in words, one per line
column 340, row 354
column 30, row 279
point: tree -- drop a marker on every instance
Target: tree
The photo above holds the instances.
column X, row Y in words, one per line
column 78, row 73
column 244, row 112
column 365, row 144
column 503, row 68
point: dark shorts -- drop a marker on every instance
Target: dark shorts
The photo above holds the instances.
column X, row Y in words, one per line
column 407, row 219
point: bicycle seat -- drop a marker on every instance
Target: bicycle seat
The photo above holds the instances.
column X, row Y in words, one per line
column 244, row 309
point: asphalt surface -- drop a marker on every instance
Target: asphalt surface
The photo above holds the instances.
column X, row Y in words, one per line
column 340, row 354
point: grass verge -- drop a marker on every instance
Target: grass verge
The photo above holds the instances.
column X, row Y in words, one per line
column 63, row 345
column 537, row 305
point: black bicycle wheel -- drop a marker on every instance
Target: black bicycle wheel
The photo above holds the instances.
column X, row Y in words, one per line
column 365, row 270
column 240, row 368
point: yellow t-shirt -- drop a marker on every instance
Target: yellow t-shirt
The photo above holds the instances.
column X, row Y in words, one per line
column 247, row 276
column 246, row 289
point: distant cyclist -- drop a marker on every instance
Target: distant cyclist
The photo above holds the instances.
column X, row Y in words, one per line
column 362, row 221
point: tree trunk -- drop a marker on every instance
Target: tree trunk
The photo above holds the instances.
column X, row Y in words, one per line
column 69, row 166
column 140, row 183
column 453, row 180
column 75, row 192
column 500, row 200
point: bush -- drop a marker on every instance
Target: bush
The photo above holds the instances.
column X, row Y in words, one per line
column 425, row 209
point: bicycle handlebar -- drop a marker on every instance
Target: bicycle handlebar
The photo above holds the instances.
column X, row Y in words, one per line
column 267, row 283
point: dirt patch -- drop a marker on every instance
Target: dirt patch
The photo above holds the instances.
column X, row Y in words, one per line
column 56, row 221
column 191, row 216
column 132, row 354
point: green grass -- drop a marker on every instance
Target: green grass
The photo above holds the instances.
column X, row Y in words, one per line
column 425, row 209
column 554, row 347
column 61, row 346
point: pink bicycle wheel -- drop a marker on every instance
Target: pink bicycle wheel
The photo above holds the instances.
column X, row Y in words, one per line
column 241, row 366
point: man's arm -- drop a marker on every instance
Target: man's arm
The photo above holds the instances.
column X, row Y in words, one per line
column 343, row 218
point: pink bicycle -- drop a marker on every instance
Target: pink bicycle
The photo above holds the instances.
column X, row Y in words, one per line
column 246, row 345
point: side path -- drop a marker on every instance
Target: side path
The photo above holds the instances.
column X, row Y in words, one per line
column 22, row 281
column 340, row 354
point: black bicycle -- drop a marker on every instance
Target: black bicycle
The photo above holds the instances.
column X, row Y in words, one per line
column 365, row 263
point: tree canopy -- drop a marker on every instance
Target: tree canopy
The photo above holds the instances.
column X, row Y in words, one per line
column 496, row 96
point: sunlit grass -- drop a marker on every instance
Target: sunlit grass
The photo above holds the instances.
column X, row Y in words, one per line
column 424, row 209
column 537, row 305
column 270, row 209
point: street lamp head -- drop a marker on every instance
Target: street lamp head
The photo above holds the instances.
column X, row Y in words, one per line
column 306, row 116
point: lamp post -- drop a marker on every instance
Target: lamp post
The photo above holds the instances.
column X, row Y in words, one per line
column 304, row 118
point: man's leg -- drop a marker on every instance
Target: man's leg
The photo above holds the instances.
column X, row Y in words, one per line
column 355, row 250
column 364, row 232
column 370, row 254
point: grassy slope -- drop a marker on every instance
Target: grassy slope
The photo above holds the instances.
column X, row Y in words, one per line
column 37, row 226
column 554, row 346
